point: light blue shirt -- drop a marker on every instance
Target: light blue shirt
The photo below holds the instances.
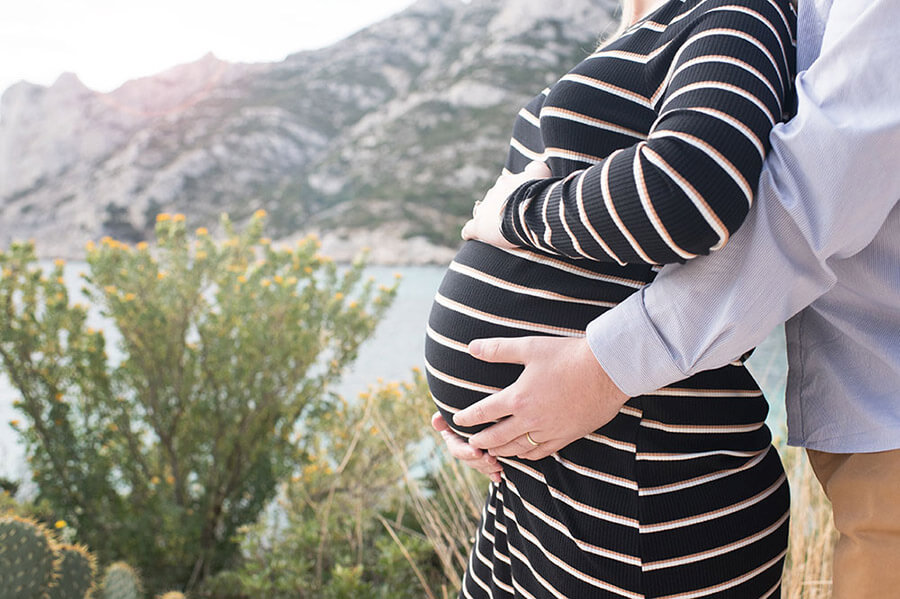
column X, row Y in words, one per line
column 820, row 247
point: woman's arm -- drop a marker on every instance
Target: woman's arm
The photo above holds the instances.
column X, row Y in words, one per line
column 688, row 186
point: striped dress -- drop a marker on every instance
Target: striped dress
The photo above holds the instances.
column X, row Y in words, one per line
column 655, row 142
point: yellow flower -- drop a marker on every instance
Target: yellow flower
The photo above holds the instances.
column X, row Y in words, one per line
column 89, row 246
column 60, row 280
column 202, row 231
column 107, row 240
column 59, row 262
column 242, row 279
column 142, row 245
column 154, row 480
column 129, row 297
column 260, row 213
column 59, row 397
column 338, row 296
column 308, row 270
column 352, row 304
column 265, row 282
column 178, row 218
column 60, row 524
column 200, row 255
column 278, row 279
column 265, row 241
column 14, row 423
column 170, row 479
column 161, row 275
column 110, row 289
column 163, row 217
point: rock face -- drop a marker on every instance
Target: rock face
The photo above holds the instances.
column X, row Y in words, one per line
column 383, row 139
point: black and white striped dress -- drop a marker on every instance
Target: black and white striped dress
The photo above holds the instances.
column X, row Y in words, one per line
column 655, row 143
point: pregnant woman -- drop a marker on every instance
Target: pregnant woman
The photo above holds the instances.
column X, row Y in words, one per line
column 653, row 145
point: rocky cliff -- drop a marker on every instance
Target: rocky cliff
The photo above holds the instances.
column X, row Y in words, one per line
column 384, row 139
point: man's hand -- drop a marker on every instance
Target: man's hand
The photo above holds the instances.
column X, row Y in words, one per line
column 487, row 216
column 470, row 456
column 562, row 395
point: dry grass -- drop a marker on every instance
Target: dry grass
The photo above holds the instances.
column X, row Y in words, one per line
column 807, row 572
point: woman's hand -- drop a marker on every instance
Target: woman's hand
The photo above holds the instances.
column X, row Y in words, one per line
column 487, row 215
column 468, row 455
column 562, row 395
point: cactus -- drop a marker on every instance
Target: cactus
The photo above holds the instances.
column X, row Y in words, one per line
column 76, row 570
column 27, row 561
column 171, row 595
column 120, row 582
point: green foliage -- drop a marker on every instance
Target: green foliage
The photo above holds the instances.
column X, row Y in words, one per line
column 120, row 582
column 344, row 529
column 225, row 349
column 27, row 561
column 75, row 571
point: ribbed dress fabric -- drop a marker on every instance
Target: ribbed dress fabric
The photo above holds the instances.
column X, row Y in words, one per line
column 655, row 143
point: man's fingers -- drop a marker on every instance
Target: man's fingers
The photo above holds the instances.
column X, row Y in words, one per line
column 517, row 447
column 491, row 408
column 510, row 350
column 541, row 451
column 502, row 434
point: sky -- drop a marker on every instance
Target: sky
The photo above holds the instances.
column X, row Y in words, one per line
column 107, row 42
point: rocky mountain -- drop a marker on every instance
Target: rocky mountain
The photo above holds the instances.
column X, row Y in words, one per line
column 384, row 139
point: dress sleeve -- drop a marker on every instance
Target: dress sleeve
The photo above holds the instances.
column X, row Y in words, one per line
column 682, row 191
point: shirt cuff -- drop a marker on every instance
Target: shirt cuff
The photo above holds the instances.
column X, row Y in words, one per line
column 630, row 349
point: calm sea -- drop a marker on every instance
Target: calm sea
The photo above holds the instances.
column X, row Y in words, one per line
column 391, row 353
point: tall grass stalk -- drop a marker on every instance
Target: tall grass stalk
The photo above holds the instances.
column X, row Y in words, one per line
column 447, row 505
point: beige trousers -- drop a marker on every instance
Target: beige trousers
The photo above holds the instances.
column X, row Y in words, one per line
column 864, row 489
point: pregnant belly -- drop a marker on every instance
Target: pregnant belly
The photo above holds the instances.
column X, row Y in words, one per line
column 488, row 292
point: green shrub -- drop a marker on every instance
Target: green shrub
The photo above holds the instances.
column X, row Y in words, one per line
column 226, row 349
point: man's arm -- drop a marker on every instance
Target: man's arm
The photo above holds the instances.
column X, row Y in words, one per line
column 830, row 181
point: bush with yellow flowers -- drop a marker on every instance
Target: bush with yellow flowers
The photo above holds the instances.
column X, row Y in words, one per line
column 228, row 347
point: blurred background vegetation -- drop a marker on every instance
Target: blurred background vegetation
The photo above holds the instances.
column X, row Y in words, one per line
column 211, row 456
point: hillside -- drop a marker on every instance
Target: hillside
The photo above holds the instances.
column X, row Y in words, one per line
column 383, row 139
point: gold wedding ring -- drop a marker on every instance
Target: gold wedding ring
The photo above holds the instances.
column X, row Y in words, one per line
column 530, row 440
column 475, row 208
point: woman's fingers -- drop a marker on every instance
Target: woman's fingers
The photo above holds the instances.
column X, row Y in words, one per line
column 461, row 450
column 537, row 169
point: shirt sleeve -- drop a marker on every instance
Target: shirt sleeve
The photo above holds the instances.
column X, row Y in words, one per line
column 830, row 182
column 687, row 187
